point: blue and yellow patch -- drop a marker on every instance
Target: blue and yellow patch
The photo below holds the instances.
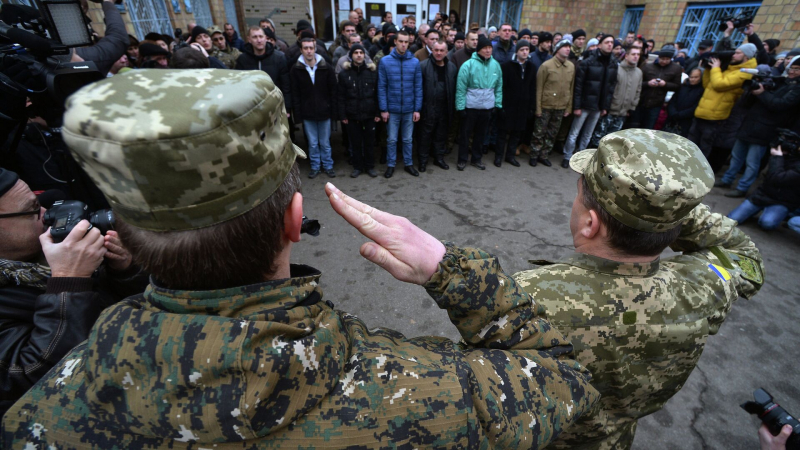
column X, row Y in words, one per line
column 720, row 271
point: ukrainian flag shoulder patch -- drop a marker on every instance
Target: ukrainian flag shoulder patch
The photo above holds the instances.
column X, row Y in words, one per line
column 720, row 271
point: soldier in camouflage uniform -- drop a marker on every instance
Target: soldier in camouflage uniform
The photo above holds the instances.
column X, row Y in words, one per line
column 638, row 322
column 221, row 49
column 267, row 363
column 554, row 83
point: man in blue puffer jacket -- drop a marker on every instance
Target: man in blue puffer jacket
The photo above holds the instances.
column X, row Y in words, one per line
column 400, row 100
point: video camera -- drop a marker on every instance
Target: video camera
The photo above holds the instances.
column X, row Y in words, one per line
column 65, row 214
column 773, row 416
column 34, row 44
column 739, row 21
column 764, row 79
column 724, row 57
column 788, row 140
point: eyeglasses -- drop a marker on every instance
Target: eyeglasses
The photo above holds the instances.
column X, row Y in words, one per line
column 23, row 213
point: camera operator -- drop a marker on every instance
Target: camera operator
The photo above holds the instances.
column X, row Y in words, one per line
column 766, row 112
column 778, row 194
column 49, row 298
column 722, row 89
column 114, row 44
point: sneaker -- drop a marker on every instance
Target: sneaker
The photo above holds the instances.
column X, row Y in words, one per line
column 313, row 174
column 330, row 173
column 461, row 165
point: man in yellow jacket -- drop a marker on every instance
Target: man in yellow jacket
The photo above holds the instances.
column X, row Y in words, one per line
column 722, row 89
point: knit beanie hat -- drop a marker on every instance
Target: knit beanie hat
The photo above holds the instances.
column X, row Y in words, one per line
column 491, row 29
column 617, row 43
column 459, row 37
column 578, row 33
column 567, row 37
column 483, row 41
column 562, row 43
column 197, row 31
column 544, row 36
column 525, row 32
column 355, row 47
column 772, row 44
column 748, row 49
column 592, row 42
column 604, row 37
column 523, row 43
column 302, row 24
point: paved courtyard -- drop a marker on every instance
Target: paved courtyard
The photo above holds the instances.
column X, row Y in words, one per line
column 522, row 213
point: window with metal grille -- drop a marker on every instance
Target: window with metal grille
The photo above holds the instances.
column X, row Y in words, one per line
column 702, row 22
column 230, row 14
column 202, row 13
column 631, row 19
column 149, row 16
column 505, row 11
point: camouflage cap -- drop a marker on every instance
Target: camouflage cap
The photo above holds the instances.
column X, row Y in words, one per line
column 649, row 180
column 181, row 149
column 214, row 30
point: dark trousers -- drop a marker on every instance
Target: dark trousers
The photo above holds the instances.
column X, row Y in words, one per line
column 362, row 139
column 476, row 123
column 703, row 133
column 650, row 117
column 506, row 148
column 433, row 135
column 528, row 133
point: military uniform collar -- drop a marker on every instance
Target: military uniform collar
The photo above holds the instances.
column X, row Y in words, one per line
column 602, row 265
column 263, row 301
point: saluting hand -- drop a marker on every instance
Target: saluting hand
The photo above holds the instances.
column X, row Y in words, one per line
column 399, row 247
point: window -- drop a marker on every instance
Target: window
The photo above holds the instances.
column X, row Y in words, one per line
column 201, row 11
column 505, row 11
column 702, row 22
column 230, row 14
column 149, row 16
column 631, row 20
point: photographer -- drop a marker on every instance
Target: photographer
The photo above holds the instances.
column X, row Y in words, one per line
column 766, row 112
column 778, row 195
column 49, row 298
column 113, row 45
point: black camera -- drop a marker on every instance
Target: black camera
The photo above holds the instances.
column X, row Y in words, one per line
column 725, row 57
column 65, row 214
column 762, row 79
column 178, row 33
column 788, row 140
column 773, row 416
column 738, row 22
column 310, row 226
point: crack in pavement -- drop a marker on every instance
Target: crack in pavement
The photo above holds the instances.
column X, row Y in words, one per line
column 697, row 411
column 463, row 217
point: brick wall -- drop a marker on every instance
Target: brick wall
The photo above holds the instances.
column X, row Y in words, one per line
column 778, row 19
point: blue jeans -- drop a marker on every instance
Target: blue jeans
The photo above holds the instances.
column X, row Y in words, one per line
column 397, row 120
column 319, row 143
column 744, row 153
column 581, row 131
column 770, row 219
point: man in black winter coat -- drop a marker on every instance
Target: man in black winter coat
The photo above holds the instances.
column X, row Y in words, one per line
column 295, row 50
column 438, row 104
column 49, row 297
column 519, row 103
column 681, row 108
column 595, row 80
column 768, row 111
column 358, row 108
column 314, row 103
column 258, row 54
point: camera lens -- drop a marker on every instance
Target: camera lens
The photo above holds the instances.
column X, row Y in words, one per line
column 103, row 220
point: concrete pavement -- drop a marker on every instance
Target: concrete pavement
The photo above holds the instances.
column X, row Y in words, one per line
column 523, row 213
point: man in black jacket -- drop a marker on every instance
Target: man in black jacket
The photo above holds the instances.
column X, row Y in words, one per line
column 258, row 54
column 658, row 78
column 313, row 102
column 49, row 299
column 768, row 111
column 519, row 103
column 595, row 80
column 438, row 101
column 358, row 108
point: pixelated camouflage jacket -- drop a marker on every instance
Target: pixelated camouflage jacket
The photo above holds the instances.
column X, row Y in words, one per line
column 273, row 366
column 640, row 328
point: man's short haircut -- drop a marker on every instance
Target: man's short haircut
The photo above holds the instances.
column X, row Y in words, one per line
column 432, row 31
column 307, row 39
column 506, row 25
column 353, row 36
column 410, row 18
column 441, row 42
column 630, row 32
column 347, row 23
column 188, row 58
column 254, row 28
column 236, row 252
column 403, row 33
column 475, row 32
column 624, row 239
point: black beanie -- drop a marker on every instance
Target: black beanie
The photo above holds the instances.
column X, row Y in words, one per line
column 302, row 24
column 523, row 43
column 355, row 47
column 7, row 180
column 483, row 41
column 270, row 34
column 459, row 37
column 578, row 33
column 197, row 31
column 544, row 36
column 525, row 32
column 604, row 37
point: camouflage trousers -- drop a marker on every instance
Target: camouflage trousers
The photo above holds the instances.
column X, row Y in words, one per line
column 544, row 132
column 606, row 125
column 598, row 433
